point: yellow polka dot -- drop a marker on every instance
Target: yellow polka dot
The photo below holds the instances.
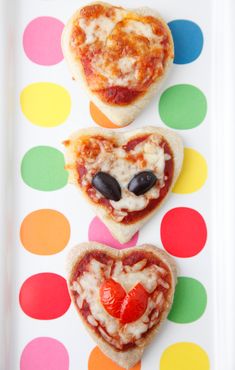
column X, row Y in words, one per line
column 193, row 174
column 184, row 356
column 45, row 104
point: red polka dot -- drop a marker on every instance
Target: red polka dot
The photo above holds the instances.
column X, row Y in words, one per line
column 44, row 296
column 183, row 232
column 44, row 353
column 98, row 232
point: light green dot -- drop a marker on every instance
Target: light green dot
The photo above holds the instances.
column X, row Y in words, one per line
column 42, row 168
column 189, row 301
column 182, row 107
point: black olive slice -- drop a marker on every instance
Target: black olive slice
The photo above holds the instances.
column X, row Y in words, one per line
column 107, row 185
column 142, row 182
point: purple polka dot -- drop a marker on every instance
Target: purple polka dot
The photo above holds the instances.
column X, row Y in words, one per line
column 98, row 232
column 42, row 41
column 44, row 354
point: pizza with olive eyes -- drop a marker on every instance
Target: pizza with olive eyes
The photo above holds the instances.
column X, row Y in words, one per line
column 122, row 296
column 125, row 176
column 120, row 56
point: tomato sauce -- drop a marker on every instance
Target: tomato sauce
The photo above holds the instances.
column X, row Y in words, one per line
column 118, row 95
column 133, row 257
column 81, row 170
column 86, row 62
column 84, row 262
column 133, row 142
column 92, row 11
column 85, row 310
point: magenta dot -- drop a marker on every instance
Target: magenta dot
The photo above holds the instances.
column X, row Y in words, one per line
column 42, row 40
column 98, row 232
column 44, row 354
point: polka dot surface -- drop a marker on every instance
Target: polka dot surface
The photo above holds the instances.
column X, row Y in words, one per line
column 184, row 356
column 98, row 232
column 182, row 107
column 193, row 174
column 98, row 361
column 44, row 296
column 45, row 104
column 42, row 40
column 190, row 301
column 188, row 40
column 45, row 232
column 183, row 232
column 44, row 353
column 42, row 168
column 99, row 117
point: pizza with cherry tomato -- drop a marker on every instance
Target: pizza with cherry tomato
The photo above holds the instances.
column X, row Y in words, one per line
column 124, row 176
column 119, row 55
column 122, row 296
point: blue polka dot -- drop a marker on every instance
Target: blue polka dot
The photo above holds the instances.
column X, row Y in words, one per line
column 188, row 40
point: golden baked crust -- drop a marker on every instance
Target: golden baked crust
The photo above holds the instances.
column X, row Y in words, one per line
column 119, row 55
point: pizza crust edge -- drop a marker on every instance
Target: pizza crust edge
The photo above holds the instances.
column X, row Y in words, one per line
column 129, row 358
column 119, row 115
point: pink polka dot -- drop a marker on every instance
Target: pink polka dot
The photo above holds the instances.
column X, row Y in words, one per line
column 44, row 354
column 42, row 41
column 98, row 232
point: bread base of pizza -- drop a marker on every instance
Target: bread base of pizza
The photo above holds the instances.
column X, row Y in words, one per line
column 125, row 176
column 122, row 296
column 119, row 56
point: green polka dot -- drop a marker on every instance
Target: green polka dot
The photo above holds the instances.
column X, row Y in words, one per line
column 189, row 301
column 42, row 168
column 182, row 107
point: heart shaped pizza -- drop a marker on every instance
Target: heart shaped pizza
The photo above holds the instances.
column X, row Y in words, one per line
column 125, row 176
column 120, row 56
column 122, row 296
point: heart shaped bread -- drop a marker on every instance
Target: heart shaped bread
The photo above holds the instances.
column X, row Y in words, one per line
column 120, row 56
column 122, row 296
column 125, row 176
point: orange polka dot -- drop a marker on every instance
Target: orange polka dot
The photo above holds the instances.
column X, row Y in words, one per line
column 100, row 118
column 45, row 232
column 98, row 361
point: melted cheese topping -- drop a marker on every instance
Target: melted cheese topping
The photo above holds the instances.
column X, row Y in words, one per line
column 123, row 166
column 96, row 29
column 87, row 287
column 143, row 29
column 120, row 48
column 130, row 202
